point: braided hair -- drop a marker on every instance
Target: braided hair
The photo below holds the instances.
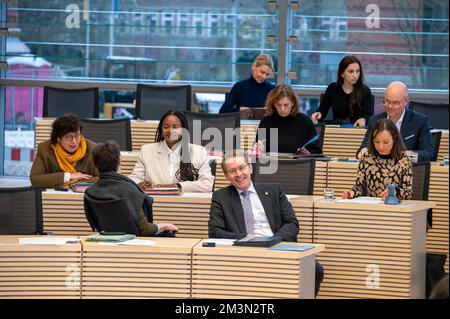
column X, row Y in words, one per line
column 187, row 171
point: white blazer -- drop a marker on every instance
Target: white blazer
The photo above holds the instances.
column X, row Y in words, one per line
column 153, row 167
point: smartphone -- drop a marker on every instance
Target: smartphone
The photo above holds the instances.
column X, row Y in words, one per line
column 206, row 244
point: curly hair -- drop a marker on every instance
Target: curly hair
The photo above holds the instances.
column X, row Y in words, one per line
column 64, row 124
column 187, row 171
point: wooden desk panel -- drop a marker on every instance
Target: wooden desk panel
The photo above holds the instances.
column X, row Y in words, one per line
column 246, row 272
column 39, row 271
column 437, row 237
column 160, row 271
column 342, row 142
column 443, row 148
column 373, row 251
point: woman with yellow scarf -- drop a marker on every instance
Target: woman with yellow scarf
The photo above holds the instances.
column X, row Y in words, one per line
column 65, row 158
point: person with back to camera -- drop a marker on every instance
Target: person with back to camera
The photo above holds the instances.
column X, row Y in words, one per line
column 172, row 161
column 113, row 185
column 251, row 92
column 348, row 97
column 294, row 128
column 384, row 163
column 66, row 158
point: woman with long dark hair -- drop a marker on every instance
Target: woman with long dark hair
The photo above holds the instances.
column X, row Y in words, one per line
column 384, row 163
column 348, row 97
column 172, row 159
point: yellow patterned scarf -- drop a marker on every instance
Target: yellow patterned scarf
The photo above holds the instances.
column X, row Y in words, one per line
column 66, row 161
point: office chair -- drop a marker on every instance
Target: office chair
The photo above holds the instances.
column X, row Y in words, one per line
column 421, row 180
column 437, row 113
column 152, row 101
column 109, row 215
column 21, row 211
column 220, row 130
column 82, row 102
column 213, row 166
column 436, row 137
column 254, row 113
column 101, row 130
column 320, row 129
column 295, row 176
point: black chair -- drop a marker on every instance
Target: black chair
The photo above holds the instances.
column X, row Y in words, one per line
column 221, row 128
column 82, row 102
column 152, row 101
column 254, row 113
column 437, row 113
column 320, row 129
column 421, row 185
column 295, row 176
column 21, row 211
column 100, row 130
column 213, row 166
column 436, row 137
column 109, row 215
column 421, row 180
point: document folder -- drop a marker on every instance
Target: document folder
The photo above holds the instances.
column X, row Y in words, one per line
column 258, row 241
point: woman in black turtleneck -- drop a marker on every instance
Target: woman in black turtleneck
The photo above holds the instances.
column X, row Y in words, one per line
column 294, row 128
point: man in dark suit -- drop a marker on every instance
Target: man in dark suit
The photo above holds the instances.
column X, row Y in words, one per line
column 271, row 213
column 413, row 126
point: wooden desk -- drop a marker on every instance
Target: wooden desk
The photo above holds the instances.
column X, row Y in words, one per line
column 247, row 272
column 338, row 142
column 116, row 271
column 366, row 240
column 64, row 213
column 39, row 271
column 342, row 175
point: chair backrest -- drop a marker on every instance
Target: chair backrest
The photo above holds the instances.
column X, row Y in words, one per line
column 295, row 176
column 152, row 101
column 109, row 215
column 213, row 166
column 437, row 113
column 221, row 128
column 101, row 130
column 436, row 138
column 320, row 129
column 21, row 211
column 254, row 113
column 82, row 102
column 421, row 180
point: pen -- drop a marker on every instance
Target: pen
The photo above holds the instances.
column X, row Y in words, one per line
column 406, row 138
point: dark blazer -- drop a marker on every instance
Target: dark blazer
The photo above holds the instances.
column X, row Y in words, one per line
column 112, row 185
column 226, row 219
column 415, row 128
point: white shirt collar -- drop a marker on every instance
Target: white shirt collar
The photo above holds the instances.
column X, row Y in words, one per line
column 251, row 189
column 400, row 120
column 175, row 150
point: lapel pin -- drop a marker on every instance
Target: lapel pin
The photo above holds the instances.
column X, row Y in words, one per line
column 266, row 193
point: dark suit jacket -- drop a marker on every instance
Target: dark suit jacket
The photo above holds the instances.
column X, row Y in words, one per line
column 226, row 218
column 112, row 185
column 415, row 125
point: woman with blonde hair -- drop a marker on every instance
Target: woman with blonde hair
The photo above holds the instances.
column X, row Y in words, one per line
column 251, row 92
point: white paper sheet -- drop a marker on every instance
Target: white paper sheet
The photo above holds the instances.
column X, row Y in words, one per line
column 46, row 241
column 361, row 200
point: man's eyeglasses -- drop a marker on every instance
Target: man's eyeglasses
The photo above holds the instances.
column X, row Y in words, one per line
column 70, row 137
column 393, row 103
column 234, row 171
